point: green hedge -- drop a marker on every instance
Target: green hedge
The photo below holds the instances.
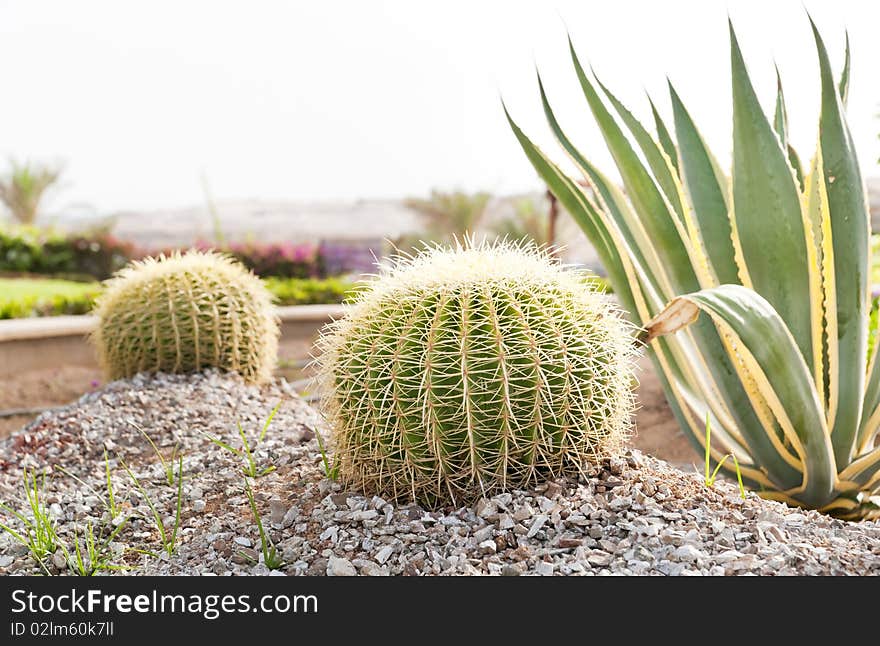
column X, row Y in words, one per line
column 288, row 291
column 39, row 306
column 310, row 291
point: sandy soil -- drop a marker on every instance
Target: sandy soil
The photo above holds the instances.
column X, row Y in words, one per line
column 43, row 388
column 657, row 432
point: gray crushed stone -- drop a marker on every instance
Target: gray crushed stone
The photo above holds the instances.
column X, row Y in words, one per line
column 629, row 516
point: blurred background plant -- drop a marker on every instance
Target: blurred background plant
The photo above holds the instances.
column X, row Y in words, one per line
column 211, row 207
column 450, row 214
column 30, row 297
column 533, row 219
column 284, row 259
column 49, row 251
column 23, row 187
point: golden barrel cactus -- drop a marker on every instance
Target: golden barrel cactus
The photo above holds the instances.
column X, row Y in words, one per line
column 183, row 313
column 463, row 371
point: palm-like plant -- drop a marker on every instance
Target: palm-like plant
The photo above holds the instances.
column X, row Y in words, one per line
column 775, row 256
column 530, row 221
column 452, row 214
column 24, row 186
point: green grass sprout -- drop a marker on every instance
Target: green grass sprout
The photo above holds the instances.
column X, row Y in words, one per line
column 169, row 540
column 167, row 465
column 246, row 453
column 39, row 533
column 710, row 479
column 111, row 499
column 331, row 471
column 269, row 421
column 95, row 554
column 271, row 558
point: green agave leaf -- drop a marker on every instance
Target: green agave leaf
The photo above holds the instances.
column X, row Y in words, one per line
column 572, row 198
column 871, row 409
column 767, row 209
column 710, row 345
column 850, row 235
column 664, row 136
column 707, row 188
column 863, row 471
column 843, row 88
column 821, row 273
column 780, row 125
column 661, row 168
column 653, row 209
column 613, row 200
column 761, row 334
column 780, row 115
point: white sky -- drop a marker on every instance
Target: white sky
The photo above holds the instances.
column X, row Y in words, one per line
column 338, row 99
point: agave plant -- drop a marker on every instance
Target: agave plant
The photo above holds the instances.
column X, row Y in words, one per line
column 775, row 257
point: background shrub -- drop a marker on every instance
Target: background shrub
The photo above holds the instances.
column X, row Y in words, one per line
column 49, row 252
column 25, row 303
column 283, row 260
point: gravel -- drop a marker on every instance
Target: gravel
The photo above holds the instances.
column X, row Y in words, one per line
column 632, row 516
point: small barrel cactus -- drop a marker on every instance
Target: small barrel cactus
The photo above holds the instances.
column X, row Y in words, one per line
column 463, row 371
column 183, row 313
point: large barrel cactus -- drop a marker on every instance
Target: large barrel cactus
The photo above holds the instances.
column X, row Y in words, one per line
column 461, row 372
column 183, row 313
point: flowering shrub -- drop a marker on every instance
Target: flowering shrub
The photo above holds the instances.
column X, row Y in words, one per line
column 49, row 252
column 284, row 259
column 45, row 251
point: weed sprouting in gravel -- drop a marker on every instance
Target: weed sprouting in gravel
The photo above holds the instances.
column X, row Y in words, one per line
column 95, row 554
column 269, row 421
column 710, row 478
column 39, row 531
column 246, row 453
column 330, row 470
column 271, row 558
column 167, row 465
column 169, row 540
column 111, row 499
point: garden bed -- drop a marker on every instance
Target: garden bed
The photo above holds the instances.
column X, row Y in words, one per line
column 29, row 297
column 634, row 515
